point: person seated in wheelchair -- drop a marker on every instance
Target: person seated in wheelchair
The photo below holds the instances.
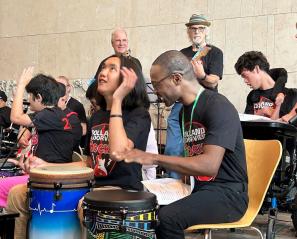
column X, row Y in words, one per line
column 214, row 147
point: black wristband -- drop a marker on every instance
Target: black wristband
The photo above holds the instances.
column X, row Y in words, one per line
column 113, row 116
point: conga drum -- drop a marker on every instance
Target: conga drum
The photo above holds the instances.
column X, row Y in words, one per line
column 9, row 169
column 54, row 192
column 111, row 214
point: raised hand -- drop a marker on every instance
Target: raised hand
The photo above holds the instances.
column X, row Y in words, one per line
column 128, row 84
column 26, row 76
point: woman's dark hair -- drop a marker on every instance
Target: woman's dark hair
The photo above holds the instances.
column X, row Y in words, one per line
column 250, row 60
column 138, row 96
column 45, row 86
column 92, row 90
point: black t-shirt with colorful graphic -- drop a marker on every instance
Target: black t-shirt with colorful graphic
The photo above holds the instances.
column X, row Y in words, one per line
column 57, row 132
column 265, row 103
column 216, row 122
column 108, row 172
column 212, row 62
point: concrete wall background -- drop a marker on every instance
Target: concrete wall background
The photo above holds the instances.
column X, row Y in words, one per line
column 70, row 38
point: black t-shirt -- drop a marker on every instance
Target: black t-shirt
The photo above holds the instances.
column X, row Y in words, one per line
column 216, row 122
column 266, row 103
column 55, row 135
column 76, row 128
column 77, row 107
column 108, row 172
column 212, row 62
column 5, row 117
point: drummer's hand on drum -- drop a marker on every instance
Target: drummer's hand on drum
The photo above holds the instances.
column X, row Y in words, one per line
column 32, row 162
column 135, row 156
column 127, row 85
column 26, row 76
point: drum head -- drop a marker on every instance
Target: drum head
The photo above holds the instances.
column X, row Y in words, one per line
column 69, row 174
column 111, row 199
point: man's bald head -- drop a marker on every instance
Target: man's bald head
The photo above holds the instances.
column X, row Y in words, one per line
column 175, row 62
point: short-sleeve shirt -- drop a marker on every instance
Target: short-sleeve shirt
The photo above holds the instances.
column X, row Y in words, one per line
column 54, row 135
column 216, row 122
column 108, row 172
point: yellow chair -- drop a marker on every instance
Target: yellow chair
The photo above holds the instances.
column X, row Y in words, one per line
column 262, row 158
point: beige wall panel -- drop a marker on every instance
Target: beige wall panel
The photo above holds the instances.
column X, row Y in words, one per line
column 150, row 42
column 181, row 37
column 19, row 18
column 79, row 54
column 251, row 8
column 239, row 32
column 260, row 33
column 94, row 47
column 285, row 43
column 219, row 9
column 47, row 54
column 294, row 6
column 16, row 54
column 277, row 6
column 185, row 8
column 139, row 13
column 230, row 87
column 68, row 55
column 86, row 15
column 270, row 52
column 218, row 30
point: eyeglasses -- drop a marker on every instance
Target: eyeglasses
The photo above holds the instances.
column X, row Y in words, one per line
column 156, row 84
column 197, row 29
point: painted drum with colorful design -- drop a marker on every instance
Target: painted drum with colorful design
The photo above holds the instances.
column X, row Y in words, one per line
column 54, row 192
column 115, row 214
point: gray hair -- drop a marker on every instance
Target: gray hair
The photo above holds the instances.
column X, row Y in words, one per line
column 116, row 30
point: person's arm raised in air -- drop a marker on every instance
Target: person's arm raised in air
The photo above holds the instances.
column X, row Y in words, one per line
column 17, row 115
column 118, row 140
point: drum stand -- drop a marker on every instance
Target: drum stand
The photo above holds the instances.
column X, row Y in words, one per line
column 156, row 102
column 7, row 222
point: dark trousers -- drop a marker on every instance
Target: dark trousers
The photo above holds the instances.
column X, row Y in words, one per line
column 210, row 204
